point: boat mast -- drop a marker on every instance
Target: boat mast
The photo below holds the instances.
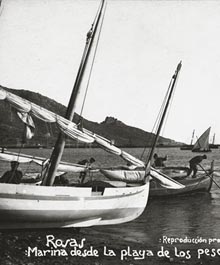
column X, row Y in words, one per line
column 192, row 137
column 213, row 140
column 173, row 82
column 60, row 144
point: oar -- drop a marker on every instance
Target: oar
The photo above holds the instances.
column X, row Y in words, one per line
column 209, row 176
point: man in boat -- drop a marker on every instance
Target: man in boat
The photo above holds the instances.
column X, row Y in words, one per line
column 159, row 161
column 13, row 176
column 193, row 164
column 86, row 163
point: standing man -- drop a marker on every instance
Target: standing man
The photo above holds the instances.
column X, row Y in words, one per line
column 193, row 164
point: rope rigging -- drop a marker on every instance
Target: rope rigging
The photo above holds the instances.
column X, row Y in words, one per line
column 89, row 35
column 159, row 116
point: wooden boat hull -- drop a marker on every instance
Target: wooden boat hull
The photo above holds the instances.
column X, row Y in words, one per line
column 26, row 206
column 192, row 185
column 201, row 151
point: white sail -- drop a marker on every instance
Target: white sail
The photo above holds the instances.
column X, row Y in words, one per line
column 202, row 144
column 135, row 161
column 20, row 159
column 67, row 127
column 63, row 166
column 165, row 181
column 137, row 176
column 128, row 176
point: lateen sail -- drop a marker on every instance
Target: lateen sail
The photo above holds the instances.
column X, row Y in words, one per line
column 202, row 144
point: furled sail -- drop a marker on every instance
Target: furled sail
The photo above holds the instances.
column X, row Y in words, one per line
column 202, row 144
column 67, row 127
column 128, row 176
column 137, row 176
column 22, row 158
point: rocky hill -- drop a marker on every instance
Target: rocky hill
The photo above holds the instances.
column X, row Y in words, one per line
column 11, row 128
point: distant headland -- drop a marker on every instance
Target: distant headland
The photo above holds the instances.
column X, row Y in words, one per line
column 121, row 134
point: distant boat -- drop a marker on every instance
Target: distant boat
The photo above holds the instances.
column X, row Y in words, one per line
column 202, row 144
column 213, row 145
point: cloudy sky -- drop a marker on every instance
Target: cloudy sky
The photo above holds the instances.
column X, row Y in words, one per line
column 140, row 46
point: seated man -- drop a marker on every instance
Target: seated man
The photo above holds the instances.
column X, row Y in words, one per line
column 13, row 176
column 159, row 161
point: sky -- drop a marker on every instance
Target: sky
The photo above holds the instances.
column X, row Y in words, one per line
column 140, row 45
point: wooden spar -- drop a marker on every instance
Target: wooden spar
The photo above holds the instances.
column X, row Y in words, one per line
column 192, row 137
column 174, row 78
column 213, row 139
column 60, row 144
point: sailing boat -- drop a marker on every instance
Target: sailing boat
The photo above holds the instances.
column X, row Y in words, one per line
column 202, row 143
column 44, row 206
column 203, row 181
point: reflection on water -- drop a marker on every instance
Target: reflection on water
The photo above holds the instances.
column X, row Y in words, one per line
column 192, row 216
column 181, row 216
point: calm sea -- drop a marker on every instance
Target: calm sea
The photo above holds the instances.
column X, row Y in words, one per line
column 186, row 217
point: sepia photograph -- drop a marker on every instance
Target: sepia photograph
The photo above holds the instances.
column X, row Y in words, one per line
column 109, row 134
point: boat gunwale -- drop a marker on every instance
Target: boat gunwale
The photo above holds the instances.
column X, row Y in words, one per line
column 126, row 191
